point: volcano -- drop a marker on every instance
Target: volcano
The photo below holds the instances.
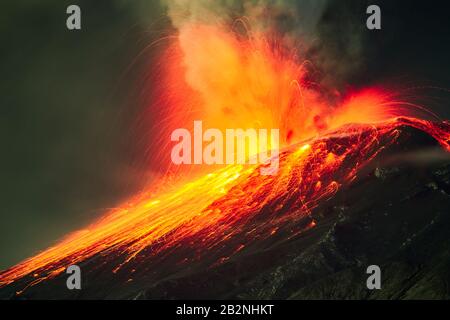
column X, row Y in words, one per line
column 360, row 195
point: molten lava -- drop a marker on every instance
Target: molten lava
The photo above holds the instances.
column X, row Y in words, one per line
column 250, row 81
column 232, row 82
column 236, row 201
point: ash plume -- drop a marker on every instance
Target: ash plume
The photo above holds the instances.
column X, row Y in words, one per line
column 327, row 34
column 292, row 18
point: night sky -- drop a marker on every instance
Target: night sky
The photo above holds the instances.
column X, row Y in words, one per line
column 70, row 99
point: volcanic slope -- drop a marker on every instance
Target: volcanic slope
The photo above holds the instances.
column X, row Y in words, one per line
column 361, row 195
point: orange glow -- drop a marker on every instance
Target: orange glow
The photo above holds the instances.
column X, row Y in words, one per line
column 237, row 82
column 204, row 214
column 231, row 80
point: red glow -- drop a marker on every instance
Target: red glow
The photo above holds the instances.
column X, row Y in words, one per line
column 247, row 83
column 254, row 81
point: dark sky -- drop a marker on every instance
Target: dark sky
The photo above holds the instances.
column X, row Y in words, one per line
column 68, row 102
column 65, row 118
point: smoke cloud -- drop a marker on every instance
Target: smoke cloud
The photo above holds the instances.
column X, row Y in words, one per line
column 328, row 34
column 291, row 18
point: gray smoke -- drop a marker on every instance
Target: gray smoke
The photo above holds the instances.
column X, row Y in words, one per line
column 291, row 17
column 329, row 33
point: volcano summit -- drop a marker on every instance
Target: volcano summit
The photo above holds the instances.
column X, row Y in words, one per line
column 308, row 232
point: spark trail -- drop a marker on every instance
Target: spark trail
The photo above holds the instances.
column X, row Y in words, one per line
column 248, row 82
column 232, row 203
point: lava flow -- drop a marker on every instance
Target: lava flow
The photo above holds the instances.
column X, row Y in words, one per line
column 232, row 203
column 235, row 210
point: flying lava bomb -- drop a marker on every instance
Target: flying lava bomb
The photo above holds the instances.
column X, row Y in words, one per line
column 229, row 215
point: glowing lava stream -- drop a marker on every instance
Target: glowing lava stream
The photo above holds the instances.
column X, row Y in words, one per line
column 252, row 83
column 203, row 215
